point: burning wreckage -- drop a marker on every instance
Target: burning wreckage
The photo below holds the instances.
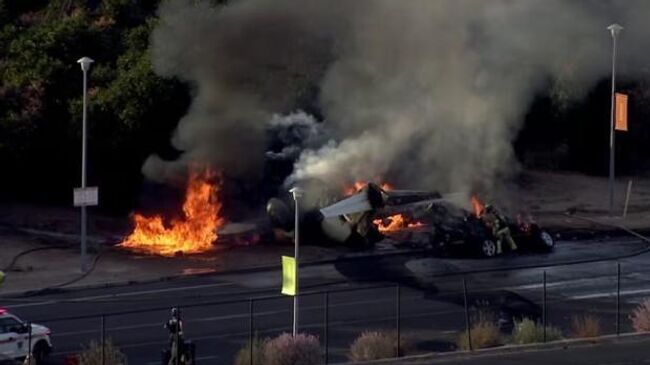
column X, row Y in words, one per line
column 367, row 214
column 428, row 219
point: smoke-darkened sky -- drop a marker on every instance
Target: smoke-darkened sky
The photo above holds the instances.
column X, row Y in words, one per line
column 428, row 92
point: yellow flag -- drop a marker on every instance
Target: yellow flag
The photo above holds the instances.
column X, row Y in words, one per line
column 2, row 277
column 288, row 275
column 621, row 112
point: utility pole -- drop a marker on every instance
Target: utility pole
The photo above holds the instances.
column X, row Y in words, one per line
column 85, row 66
column 297, row 194
column 614, row 29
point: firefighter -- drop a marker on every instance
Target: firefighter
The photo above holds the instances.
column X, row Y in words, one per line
column 499, row 227
column 175, row 327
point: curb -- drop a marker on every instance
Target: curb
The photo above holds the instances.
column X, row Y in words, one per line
column 511, row 349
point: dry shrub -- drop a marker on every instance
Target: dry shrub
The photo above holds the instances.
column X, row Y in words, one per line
column 484, row 333
column 641, row 316
column 243, row 356
column 92, row 354
column 285, row 349
column 375, row 345
column 529, row 331
column 586, row 326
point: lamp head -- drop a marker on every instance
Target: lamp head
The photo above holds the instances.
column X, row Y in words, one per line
column 615, row 29
column 297, row 192
column 85, row 63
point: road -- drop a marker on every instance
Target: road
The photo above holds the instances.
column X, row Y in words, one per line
column 362, row 296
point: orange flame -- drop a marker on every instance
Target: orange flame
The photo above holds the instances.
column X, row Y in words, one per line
column 358, row 185
column 195, row 233
column 396, row 222
column 477, row 206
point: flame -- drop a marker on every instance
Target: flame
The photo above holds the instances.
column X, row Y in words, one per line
column 396, row 223
column 195, row 233
column 358, row 185
column 477, row 206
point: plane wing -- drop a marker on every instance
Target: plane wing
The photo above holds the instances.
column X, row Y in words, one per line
column 372, row 197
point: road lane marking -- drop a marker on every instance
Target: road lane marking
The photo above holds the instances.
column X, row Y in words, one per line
column 121, row 295
column 315, row 324
column 609, row 294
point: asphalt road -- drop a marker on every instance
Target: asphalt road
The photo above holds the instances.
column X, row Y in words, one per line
column 362, row 296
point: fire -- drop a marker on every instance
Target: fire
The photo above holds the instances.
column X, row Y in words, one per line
column 397, row 222
column 477, row 206
column 194, row 233
column 358, row 185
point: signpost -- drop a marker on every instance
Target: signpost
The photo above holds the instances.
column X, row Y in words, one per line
column 86, row 197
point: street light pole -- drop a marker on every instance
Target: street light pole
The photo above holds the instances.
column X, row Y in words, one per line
column 297, row 194
column 85, row 66
column 614, row 30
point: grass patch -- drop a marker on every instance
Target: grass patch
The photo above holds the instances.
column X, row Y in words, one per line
column 375, row 345
column 529, row 331
column 484, row 333
column 640, row 316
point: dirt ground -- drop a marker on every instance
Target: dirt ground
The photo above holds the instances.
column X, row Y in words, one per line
column 556, row 199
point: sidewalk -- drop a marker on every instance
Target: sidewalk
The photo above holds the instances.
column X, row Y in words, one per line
column 625, row 350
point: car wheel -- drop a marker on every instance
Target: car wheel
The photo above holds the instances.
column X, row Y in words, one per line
column 547, row 240
column 41, row 352
column 488, row 248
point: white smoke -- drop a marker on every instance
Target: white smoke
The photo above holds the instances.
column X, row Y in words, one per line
column 430, row 93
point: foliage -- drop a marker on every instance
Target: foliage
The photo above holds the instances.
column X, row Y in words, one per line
column 641, row 317
column 529, row 331
column 484, row 333
column 374, row 345
column 92, row 354
column 304, row 349
column 132, row 111
column 243, row 356
column 586, row 326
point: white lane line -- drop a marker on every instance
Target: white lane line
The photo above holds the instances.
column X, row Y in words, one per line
column 157, row 325
column 609, row 294
column 551, row 284
column 122, row 295
column 200, row 358
column 315, row 324
column 241, row 315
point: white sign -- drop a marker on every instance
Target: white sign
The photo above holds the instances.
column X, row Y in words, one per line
column 86, row 196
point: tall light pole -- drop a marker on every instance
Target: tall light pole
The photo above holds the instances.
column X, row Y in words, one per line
column 614, row 30
column 85, row 66
column 297, row 194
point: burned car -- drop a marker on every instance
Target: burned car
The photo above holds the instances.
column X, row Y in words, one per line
column 454, row 230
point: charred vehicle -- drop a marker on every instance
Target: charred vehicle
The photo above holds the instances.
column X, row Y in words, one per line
column 454, row 230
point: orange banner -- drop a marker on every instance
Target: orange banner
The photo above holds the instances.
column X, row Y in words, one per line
column 621, row 112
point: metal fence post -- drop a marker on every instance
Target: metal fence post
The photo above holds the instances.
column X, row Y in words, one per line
column 29, row 344
column 251, row 328
column 544, row 305
column 326, row 334
column 103, row 336
column 618, row 298
column 398, row 316
column 467, row 324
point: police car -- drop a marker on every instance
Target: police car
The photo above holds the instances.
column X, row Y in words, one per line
column 14, row 339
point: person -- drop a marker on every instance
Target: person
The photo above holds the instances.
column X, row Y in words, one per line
column 499, row 227
column 175, row 327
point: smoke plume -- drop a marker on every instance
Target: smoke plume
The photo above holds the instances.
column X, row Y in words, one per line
column 428, row 94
